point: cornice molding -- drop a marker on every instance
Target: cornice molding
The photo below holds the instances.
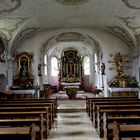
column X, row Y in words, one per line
column 72, row 2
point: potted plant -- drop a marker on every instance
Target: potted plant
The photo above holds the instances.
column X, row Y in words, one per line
column 71, row 92
column 132, row 82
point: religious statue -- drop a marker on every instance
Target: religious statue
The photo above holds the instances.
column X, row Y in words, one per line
column 119, row 64
column 103, row 69
column 39, row 70
column 24, row 71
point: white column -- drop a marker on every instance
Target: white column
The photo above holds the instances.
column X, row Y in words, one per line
column 105, row 86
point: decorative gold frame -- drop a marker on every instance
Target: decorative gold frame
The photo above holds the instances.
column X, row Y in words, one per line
column 26, row 57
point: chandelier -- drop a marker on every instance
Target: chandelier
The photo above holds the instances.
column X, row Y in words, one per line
column 5, row 57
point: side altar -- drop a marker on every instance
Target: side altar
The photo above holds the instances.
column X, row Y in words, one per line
column 127, row 92
column 122, row 85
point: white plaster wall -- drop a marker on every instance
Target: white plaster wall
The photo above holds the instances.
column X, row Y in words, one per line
column 32, row 45
column 109, row 44
column 2, row 68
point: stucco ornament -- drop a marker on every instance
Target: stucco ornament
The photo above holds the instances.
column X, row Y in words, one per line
column 72, row 2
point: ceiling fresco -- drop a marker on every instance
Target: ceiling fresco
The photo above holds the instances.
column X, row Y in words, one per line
column 132, row 4
column 8, row 6
column 9, row 25
column 18, row 15
column 131, row 23
column 122, row 34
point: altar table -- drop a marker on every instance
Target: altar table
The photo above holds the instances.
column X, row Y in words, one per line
column 124, row 92
column 27, row 93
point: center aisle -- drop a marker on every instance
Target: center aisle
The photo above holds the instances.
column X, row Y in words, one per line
column 72, row 122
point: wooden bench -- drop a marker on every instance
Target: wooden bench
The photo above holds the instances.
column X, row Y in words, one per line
column 110, row 105
column 53, row 101
column 21, row 113
column 109, row 120
column 101, row 120
column 90, row 102
column 31, row 105
column 28, row 110
column 126, row 131
column 16, row 127
column 93, row 114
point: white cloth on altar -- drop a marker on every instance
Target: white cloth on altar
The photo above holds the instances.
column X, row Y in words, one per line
column 29, row 91
column 115, row 89
column 71, row 84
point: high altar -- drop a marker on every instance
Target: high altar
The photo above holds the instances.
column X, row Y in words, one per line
column 70, row 69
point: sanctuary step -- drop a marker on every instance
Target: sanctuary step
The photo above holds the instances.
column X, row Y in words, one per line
column 71, row 105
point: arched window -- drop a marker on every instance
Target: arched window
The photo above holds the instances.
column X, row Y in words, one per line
column 86, row 64
column 45, row 64
column 54, row 66
column 95, row 61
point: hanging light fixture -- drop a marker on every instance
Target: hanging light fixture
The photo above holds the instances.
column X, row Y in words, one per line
column 5, row 57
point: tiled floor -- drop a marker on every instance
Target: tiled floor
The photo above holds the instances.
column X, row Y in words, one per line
column 72, row 122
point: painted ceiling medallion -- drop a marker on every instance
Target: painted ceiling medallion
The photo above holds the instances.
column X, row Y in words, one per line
column 132, row 4
column 72, row 2
column 16, row 3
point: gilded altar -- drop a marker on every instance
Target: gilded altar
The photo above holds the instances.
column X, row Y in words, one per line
column 70, row 67
column 122, row 85
column 24, row 76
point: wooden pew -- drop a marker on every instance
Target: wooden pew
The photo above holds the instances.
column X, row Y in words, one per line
column 113, row 112
column 27, row 110
column 31, row 105
column 53, row 101
column 109, row 120
column 26, row 126
column 126, row 131
column 93, row 114
column 28, row 105
column 18, row 132
column 28, row 114
column 113, row 105
column 90, row 102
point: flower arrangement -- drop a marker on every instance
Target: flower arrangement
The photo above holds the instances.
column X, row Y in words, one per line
column 132, row 82
column 71, row 92
column 113, row 83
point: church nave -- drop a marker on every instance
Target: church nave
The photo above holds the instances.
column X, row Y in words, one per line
column 72, row 122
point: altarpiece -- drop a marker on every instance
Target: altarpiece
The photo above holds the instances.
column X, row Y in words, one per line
column 70, row 69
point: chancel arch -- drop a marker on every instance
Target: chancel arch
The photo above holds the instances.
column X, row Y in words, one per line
column 85, row 46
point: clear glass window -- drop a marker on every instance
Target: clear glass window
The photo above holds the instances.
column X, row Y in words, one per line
column 86, row 62
column 54, row 66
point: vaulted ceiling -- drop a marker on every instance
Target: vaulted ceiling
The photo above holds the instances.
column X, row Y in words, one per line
column 22, row 18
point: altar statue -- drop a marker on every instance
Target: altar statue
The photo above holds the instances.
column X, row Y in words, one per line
column 119, row 64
